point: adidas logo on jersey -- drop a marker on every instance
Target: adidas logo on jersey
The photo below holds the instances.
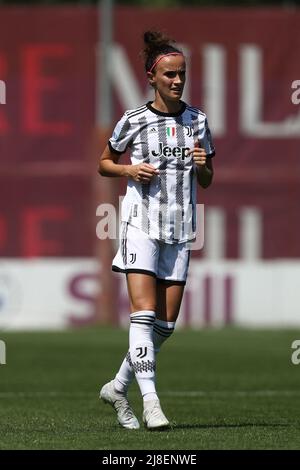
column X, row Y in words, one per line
column 152, row 130
column 168, row 151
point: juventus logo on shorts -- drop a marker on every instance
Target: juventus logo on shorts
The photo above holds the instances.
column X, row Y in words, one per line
column 132, row 258
column 142, row 352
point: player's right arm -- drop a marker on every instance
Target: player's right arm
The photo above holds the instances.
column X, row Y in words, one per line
column 109, row 166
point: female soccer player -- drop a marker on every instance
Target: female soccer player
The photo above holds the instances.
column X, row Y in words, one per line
column 171, row 150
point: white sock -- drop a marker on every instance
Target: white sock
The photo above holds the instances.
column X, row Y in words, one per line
column 124, row 376
column 141, row 350
column 162, row 330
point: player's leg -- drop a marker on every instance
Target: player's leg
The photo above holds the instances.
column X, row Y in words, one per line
column 140, row 265
column 172, row 272
column 172, row 265
column 140, row 359
column 139, row 257
column 142, row 295
column 130, row 257
column 169, row 297
column 173, row 262
column 171, row 276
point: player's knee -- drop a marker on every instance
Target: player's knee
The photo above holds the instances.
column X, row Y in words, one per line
column 140, row 304
column 141, row 301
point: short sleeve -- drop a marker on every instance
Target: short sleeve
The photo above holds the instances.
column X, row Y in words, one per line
column 121, row 136
column 207, row 142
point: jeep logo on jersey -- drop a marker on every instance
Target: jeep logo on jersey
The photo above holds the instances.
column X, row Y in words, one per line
column 168, row 151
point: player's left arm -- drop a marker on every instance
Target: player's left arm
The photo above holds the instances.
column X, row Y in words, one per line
column 204, row 166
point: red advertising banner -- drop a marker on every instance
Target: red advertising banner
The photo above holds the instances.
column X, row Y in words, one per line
column 243, row 68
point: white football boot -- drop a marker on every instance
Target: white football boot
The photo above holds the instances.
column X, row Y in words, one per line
column 119, row 402
column 153, row 416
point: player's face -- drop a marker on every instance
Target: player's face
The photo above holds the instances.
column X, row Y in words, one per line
column 169, row 77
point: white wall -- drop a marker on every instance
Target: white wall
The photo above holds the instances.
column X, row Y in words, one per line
column 52, row 293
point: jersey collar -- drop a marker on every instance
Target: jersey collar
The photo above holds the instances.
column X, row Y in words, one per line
column 160, row 113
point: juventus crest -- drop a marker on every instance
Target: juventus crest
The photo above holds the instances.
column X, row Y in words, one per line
column 142, row 352
column 132, row 259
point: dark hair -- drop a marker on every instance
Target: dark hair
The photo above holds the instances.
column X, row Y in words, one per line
column 156, row 44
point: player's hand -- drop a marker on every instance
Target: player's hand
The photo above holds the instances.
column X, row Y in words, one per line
column 199, row 156
column 143, row 172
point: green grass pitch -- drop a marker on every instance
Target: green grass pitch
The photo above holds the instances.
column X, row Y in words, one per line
column 221, row 389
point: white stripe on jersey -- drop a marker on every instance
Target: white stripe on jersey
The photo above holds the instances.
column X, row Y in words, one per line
column 165, row 207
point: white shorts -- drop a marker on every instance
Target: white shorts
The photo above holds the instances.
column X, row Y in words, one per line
column 138, row 253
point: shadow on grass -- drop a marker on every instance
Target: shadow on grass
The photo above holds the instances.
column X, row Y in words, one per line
column 226, row 426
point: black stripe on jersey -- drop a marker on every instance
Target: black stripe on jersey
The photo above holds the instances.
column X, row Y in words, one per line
column 124, row 130
column 209, row 139
column 145, row 187
column 126, row 230
column 196, row 130
column 179, row 214
column 163, row 162
column 137, row 114
column 192, row 204
column 137, row 110
column 124, row 244
column 189, row 258
column 197, row 142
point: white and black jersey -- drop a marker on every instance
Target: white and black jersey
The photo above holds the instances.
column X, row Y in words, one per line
column 165, row 207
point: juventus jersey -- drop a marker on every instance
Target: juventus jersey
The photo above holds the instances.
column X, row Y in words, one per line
column 164, row 208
